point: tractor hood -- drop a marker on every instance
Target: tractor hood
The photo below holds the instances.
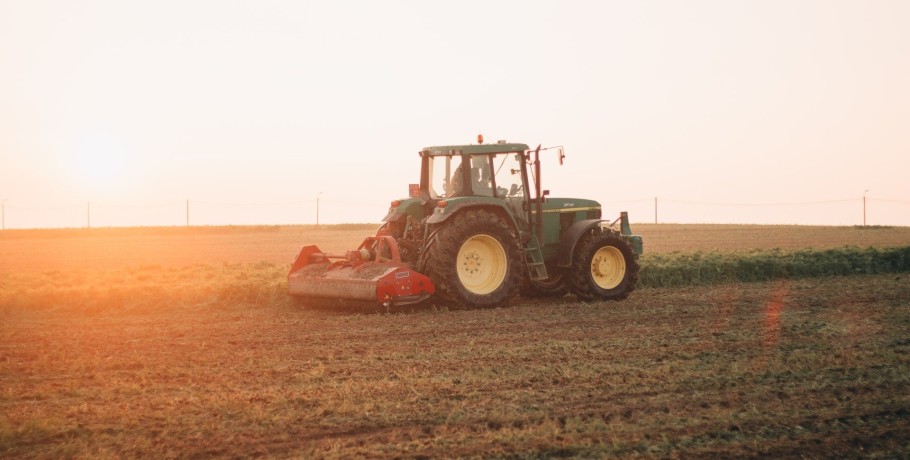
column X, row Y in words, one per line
column 571, row 205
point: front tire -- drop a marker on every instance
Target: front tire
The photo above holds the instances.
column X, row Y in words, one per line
column 474, row 261
column 604, row 267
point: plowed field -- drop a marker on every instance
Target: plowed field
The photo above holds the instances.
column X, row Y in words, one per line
column 811, row 367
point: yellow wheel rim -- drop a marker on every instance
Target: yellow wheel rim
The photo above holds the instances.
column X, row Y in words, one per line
column 608, row 267
column 481, row 264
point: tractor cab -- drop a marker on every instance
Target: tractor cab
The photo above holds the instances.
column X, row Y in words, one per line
column 473, row 170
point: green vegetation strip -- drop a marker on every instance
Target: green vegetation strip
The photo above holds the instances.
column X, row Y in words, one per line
column 150, row 288
column 702, row 268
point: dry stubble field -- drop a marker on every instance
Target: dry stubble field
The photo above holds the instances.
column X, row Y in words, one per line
column 180, row 342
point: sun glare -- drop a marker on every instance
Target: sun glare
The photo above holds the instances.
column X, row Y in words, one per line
column 100, row 159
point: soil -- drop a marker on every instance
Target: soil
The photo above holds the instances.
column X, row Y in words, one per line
column 808, row 368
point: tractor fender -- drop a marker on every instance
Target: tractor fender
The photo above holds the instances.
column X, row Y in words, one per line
column 395, row 215
column 570, row 237
column 401, row 209
column 456, row 206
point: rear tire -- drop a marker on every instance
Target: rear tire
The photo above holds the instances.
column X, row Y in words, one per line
column 474, row 261
column 604, row 267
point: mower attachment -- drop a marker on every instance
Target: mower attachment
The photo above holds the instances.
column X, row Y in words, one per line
column 363, row 274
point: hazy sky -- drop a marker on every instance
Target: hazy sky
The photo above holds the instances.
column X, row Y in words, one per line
column 727, row 111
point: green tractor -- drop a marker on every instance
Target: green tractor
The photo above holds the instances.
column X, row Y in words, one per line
column 478, row 230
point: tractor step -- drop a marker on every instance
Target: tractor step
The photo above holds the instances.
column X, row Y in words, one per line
column 537, row 270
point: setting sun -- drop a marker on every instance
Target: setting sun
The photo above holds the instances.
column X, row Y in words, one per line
column 100, row 160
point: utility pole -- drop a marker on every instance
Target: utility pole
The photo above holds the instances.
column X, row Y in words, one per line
column 3, row 213
column 317, row 207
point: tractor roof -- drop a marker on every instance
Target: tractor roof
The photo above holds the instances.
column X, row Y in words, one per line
column 473, row 149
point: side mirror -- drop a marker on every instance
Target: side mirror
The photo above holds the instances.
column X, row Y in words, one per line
column 545, row 193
